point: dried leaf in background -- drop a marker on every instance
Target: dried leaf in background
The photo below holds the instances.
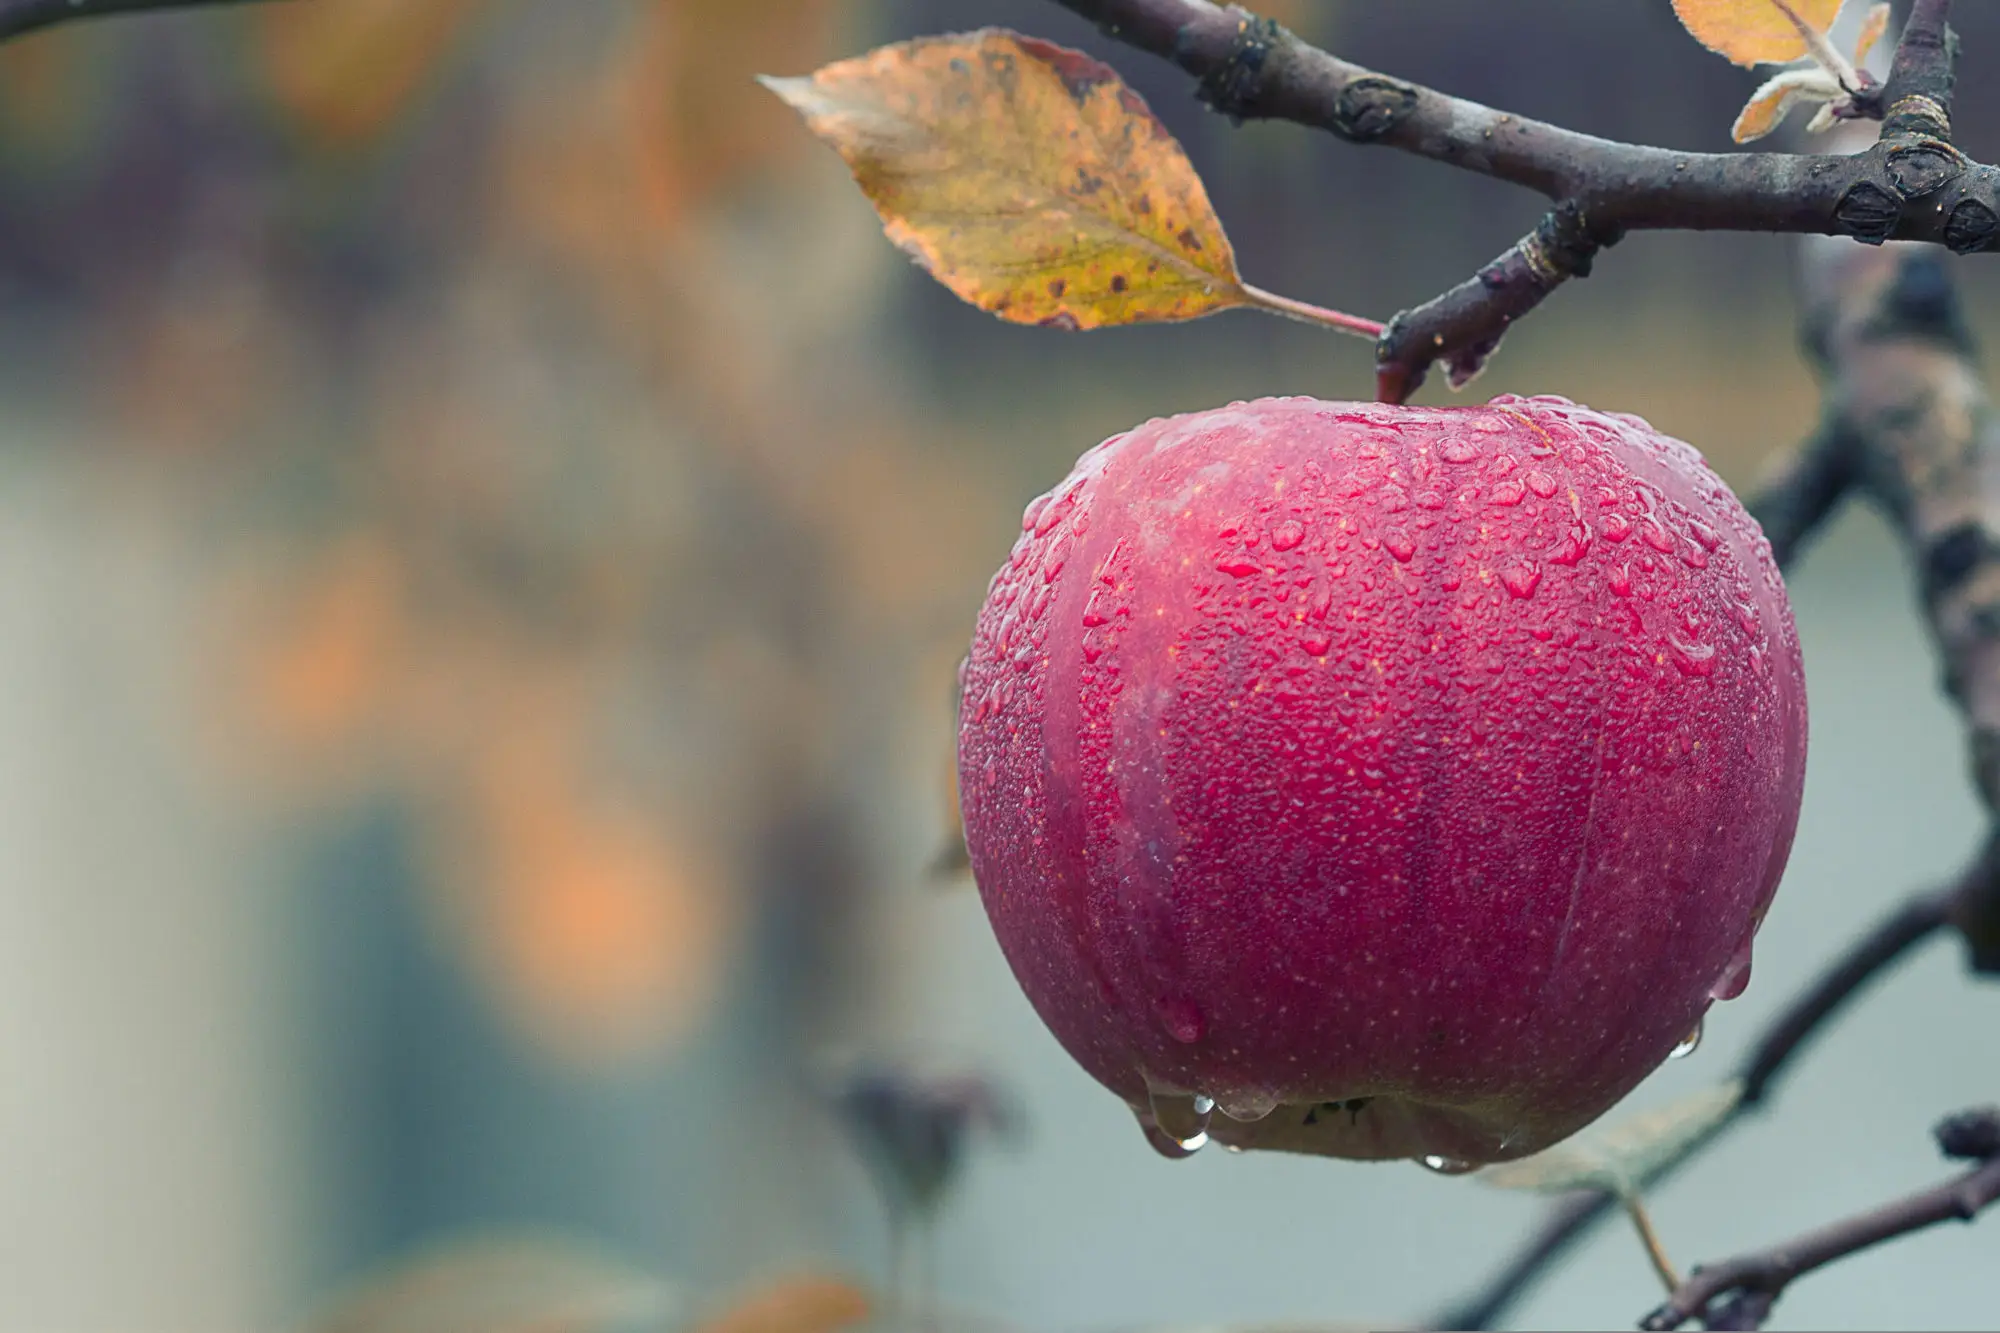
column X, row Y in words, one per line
column 526, row 1285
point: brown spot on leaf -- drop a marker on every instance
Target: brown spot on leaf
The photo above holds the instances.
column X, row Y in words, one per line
column 1118, row 283
column 1057, row 287
column 1079, row 73
column 1188, row 239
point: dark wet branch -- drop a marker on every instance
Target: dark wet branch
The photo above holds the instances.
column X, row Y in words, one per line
column 1922, row 441
column 1911, row 185
column 1918, row 93
column 20, row 17
column 1739, row 1293
column 1802, row 490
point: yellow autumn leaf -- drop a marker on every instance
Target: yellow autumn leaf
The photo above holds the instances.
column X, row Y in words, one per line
column 1755, row 32
column 1032, row 182
column 1770, row 104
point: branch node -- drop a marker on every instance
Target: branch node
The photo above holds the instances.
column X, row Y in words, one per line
column 1972, row 1136
column 1971, row 227
column 1231, row 87
column 1919, row 116
column 1923, row 166
column 1371, row 106
column 1868, row 213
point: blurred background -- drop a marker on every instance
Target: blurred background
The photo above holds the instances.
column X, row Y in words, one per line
column 488, row 527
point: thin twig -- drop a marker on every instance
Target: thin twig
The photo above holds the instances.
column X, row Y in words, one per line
column 1911, row 185
column 1762, row 1276
column 19, row 17
column 1642, row 1222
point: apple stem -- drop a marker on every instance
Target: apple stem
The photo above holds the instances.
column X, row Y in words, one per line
column 1306, row 313
column 1642, row 1221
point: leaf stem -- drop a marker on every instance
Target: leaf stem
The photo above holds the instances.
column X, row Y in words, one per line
column 1312, row 314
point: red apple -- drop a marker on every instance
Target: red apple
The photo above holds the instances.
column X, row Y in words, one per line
column 1401, row 782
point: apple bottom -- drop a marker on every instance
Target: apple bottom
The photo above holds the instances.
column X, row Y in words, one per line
column 1447, row 1139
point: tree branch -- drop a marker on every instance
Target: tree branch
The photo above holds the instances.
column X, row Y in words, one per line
column 1911, row 185
column 1918, row 94
column 1802, row 489
column 1739, row 1293
column 20, row 17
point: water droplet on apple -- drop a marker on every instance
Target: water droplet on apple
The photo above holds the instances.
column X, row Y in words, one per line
column 1692, row 659
column 1522, row 580
column 1316, row 645
column 1615, row 527
column 1541, row 483
column 1248, row 1104
column 1574, row 546
column 1735, row 978
column 1182, row 1018
column 1508, row 493
column 1182, row 1116
column 1287, row 535
column 1459, row 451
column 1165, row 1144
column 1399, row 546
column 1447, row 1166
column 1688, row 1043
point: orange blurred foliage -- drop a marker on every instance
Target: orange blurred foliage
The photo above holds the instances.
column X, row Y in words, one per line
column 322, row 673
column 807, row 1304
column 346, row 71
column 604, row 938
column 557, row 501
